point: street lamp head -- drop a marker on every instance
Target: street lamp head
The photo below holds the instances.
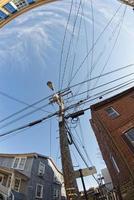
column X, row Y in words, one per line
column 50, row 85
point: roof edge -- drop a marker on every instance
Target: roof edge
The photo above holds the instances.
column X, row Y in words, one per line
column 113, row 98
column 30, row 155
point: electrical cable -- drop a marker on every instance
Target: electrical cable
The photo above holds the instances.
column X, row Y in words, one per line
column 23, row 116
column 111, row 52
column 108, row 73
column 76, row 47
column 84, row 148
column 81, row 155
column 75, row 85
column 63, row 42
column 93, row 38
column 105, row 74
column 70, row 42
column 18, row 100
column 28, row 125
column 107, row 92
column 32, row 105
column 98, row 95
column 96, row 41
column 102, row 85
column 101, row 54
column 25, row 108
column 81, row 102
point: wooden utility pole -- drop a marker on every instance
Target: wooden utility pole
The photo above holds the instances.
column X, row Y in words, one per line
column 68, row 171
column 71, row 187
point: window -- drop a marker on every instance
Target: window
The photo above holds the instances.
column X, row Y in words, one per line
column 9, row 181
column 3, row 15
column 111, row 112
column 56, row 193
column 15, row 163
column 22, row 163
column 39, row 191
column 1, row 178
column 115, row 164
column 41, row 169
column 130, row 135
column 19, row 163
column 129, row 138
column 17, row 184
column 9, row 7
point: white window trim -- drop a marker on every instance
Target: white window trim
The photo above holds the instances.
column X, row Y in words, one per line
column 41, row 163
column 19, row 163
column 14, row 162
column 2, row 178
column 56, row 193
column 113, row 112
column 19, row 185
column 115, row 164
column 9, row 177
column 41, row 190
column 129, row 138
column 24, row 163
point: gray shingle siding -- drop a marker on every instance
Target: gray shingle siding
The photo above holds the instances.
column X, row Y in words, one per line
column 6, row 162
column 31, row 170
column 28, row 166
column 46, row 180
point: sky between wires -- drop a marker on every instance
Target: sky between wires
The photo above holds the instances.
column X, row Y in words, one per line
column 52, row 43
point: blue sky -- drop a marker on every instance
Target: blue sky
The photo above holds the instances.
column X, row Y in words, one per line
column 30, row 50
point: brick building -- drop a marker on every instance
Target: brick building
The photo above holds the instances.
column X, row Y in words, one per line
column 113, row 125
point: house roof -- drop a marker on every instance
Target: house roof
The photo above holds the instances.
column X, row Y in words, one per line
column 31, row 155
column 111, row 99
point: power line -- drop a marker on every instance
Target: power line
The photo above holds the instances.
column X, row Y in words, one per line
column 10, row 116
column 75, row 85
column 74, row 57
column 79, row 152
column 98, row 95
column 17, row 100
column 105, row 28
column 105, row 74
column 107, row 92
column 23, row 116
column 102, row 85
column 93, row 38
column 25, row 108
column 117, row 37
column 28, row 125
column 30, row 106
column 63, row 42
column 97, row 60
column 70, row 42
column 81, row 102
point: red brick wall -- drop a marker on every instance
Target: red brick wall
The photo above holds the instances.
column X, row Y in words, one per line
column 109, row 134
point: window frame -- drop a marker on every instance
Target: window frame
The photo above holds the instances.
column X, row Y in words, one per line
column 8, row 181
column 42, row 188
column 22, row 168
column 114, row 112
column 56, row 193
column 2, row 175
column 19, row 184
column 115, row 165
column 18, row 164
column 43, row 164
column 127, row 140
